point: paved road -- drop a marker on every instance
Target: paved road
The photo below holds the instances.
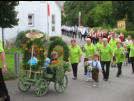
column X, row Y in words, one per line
column 116, row 89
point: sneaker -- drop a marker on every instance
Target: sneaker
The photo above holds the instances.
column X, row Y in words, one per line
column 94, row 85
column 118, row 75
column 85, row 73
column 74, row 78
column 87, row 79
column 105, row 79
column 90, row 79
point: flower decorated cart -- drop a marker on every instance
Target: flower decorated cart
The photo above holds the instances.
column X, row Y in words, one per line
column 35, row 73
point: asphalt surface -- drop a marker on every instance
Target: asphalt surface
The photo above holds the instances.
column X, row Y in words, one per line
column 116, row 89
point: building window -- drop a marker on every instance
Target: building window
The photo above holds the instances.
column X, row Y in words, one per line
column 30, row 19
column 53, row 23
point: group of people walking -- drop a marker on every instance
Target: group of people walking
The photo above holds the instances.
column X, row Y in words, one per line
column 83, row 32
column 99, row 56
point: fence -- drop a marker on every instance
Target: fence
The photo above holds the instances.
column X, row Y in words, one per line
column 13, row 62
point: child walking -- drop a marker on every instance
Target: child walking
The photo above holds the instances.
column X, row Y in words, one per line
column 96, row 68
column 89, row 68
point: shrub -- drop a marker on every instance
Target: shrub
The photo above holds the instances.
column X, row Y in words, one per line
column 55, row 38
column 126, row 33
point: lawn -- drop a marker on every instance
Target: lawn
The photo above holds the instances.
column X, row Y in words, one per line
column 10, row 63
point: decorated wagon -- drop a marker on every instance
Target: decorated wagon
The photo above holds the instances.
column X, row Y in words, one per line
column 35, row 73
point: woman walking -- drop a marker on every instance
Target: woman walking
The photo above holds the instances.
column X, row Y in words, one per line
column 3, row 90
column 105, row 54
column 89, row 49
column 131, row 55
column 119, row 53
column 128, row 41
column 99, row 45
column 75, row 57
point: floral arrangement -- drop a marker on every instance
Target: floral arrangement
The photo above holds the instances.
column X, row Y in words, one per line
column 59, row 50
column 36, row 44
column 90, row 69
column 61, row 47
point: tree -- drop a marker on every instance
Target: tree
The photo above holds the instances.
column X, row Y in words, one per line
column 8, row 15
column 121, row 9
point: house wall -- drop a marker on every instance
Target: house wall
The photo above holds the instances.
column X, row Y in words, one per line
column 57, row 12
column 39, row 9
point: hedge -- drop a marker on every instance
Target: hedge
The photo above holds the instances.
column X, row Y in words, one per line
column 55, row 38
column 126, row 33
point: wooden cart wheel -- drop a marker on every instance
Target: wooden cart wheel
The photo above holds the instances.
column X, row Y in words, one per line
column 41, row 87
column 22, row 86
column 60, row 86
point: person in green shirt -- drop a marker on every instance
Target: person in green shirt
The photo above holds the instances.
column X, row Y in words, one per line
column 119, row 54
column 3, row 90
column 105, row 57
column 131, row 55
column 99, row 45
column 75, row 55
column 113, row 46
column 89, row 49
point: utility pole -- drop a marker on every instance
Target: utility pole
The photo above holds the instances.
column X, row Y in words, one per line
column 79, row 18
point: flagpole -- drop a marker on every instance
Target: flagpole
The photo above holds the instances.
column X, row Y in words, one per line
column 47, row 22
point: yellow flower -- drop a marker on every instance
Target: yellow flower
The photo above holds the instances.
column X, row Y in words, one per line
column 26, row 48
column 44, row 53
column 41, row 49
column 28, row 41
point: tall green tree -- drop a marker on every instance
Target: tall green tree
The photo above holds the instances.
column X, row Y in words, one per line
column 121, row 9
column 8, row 15
column 99, row 13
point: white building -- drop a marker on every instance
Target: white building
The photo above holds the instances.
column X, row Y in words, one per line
column 34, row 15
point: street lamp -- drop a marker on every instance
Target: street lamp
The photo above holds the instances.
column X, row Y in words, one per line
column 79, row 17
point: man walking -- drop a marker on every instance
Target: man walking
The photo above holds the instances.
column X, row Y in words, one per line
column 3, row 90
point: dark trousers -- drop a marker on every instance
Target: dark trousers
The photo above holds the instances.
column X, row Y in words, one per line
column 74, row 35
column 132, row 62
column 105, row 72
column 129, row 59
column 85, row 68
column 79, row 34
column 75, row 69
column 83, row 36
column 119, row 65
column 3, row 89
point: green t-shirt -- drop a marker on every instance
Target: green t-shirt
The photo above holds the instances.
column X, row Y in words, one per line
column 118, row 55
column 1, row 50
column 131, row 46
column 1, row 47
column 106, row 53
column 74, row 54
column 112, row 44
column 99, row 45
column 89, row 50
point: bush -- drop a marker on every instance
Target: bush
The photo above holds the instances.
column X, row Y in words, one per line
column 126, row 33
column 55, row 38
column 21, row 39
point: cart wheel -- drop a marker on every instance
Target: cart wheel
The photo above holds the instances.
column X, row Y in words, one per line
column 22, row 86
column 41, row 87
column 60, row 86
